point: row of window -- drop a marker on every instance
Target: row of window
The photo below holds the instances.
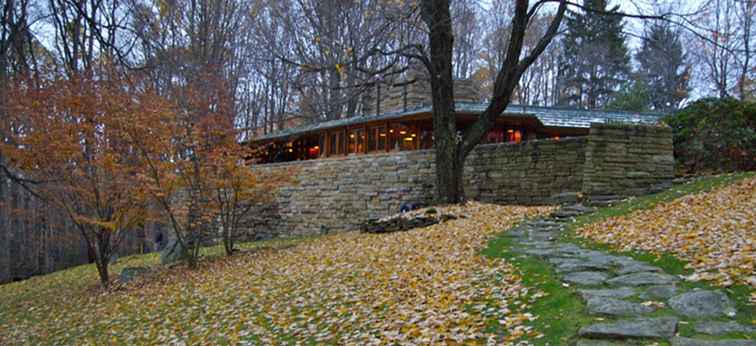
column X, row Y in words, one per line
column 378, row 139
column 397, row 137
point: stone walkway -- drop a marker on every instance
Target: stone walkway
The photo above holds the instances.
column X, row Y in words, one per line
column 628, row 293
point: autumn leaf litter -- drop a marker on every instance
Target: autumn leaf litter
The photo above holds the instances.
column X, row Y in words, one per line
column 425, row 286
column 714, row 231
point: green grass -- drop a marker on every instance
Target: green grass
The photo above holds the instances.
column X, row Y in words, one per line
column 562, row 312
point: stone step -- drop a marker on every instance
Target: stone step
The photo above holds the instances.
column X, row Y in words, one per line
column 590, row 278
column 720, row 328
column 618, row 293
column 659, row 292
column 680, row 341
column 703, row 303
column 591, row 342
column 616, row 307
column 638, row 328
column 643, row 279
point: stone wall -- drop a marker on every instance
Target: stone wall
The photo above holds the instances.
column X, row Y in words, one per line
column 338, row 194
column 332, row 195
column 627, row 160
column 531, row 172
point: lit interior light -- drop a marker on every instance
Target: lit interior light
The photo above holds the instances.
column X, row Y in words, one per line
column 510, row 131
column 383, row 135
column 291, row 150
column 414, row 135
column 351, row 135
column 402, row 132
column 408, row 139
column 392, row 131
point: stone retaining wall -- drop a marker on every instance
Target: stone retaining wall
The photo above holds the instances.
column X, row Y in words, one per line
column 627, row 160
column 333, row 195
column 339, row 194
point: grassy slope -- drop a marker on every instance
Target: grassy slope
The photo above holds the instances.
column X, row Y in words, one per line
column 561, row 312
column 18, row 299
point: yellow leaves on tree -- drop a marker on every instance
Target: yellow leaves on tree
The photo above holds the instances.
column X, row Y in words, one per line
column 68, row 136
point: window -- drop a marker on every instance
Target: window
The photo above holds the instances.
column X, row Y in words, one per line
column 356, row 141
column 403, row 137
column 335, row 146
column 377, row 138
column 514, row 136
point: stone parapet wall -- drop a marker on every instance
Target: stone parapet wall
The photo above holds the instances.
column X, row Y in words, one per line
column 527, row 173
column 627, row 160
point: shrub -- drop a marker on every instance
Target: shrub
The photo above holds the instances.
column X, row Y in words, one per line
column 715, row 135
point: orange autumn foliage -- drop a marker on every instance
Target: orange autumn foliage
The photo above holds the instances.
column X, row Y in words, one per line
column 67, row 135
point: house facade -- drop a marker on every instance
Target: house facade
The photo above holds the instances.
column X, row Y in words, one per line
column 402, row 121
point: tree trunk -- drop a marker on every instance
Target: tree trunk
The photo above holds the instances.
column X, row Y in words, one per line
column 102, row 256
column 437, row 15
column 102, row 271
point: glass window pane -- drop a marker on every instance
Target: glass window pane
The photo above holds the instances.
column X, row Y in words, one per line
column 382, row 138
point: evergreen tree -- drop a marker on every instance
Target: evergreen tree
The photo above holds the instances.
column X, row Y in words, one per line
column 662, row 67
column 595, row 62
column 634, row 98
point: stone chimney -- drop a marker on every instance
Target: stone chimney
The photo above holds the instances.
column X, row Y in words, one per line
column 411, row 92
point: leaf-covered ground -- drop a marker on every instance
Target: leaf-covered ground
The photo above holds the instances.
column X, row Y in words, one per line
column 425, row 286
column 714, row 231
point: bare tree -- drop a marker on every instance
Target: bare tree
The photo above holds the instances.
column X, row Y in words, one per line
column 723, row 37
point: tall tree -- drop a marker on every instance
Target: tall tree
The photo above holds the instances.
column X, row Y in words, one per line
column 595, row 61
column 452, row 148
column 724, row 46
column 663, row 69
column 69, row 137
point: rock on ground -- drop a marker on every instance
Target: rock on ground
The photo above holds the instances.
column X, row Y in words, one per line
column 680, row 341
column 642, row 279
column 639, row 328
column 720, row 328
column 659, row 292
column 585, row 278
column 130, row 273
column 616, row 307
column 619, row 293
column 702, row 303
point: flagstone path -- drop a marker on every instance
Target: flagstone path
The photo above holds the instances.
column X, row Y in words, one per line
column 627, row 292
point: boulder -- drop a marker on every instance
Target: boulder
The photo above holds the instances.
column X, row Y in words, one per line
column 703, row 303
column 130, row 273
column 400, row 223
column 173, row 252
